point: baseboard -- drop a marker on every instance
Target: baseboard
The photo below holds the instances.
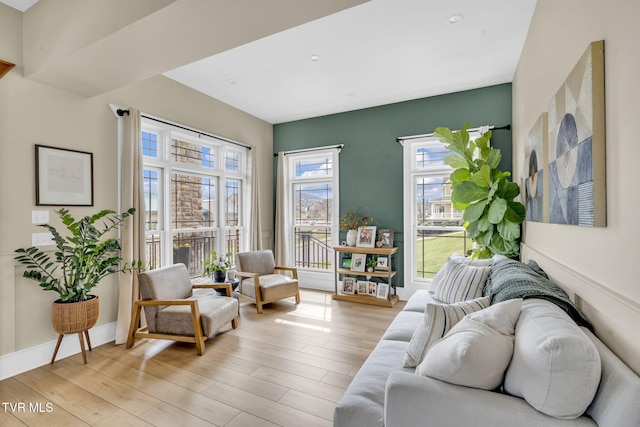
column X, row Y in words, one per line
column 39, row 355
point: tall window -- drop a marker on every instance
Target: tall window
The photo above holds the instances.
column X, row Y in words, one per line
column 314, row 204
column 435, row 226
column 193, row 196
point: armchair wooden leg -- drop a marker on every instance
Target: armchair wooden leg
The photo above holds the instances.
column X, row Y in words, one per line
column 135, row 319
column 234, row 323
column 298, row 298
column 259, row 306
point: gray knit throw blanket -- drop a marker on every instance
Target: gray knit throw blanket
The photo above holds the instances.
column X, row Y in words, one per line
column 510, row 279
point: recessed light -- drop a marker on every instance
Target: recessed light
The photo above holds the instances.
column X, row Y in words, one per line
column 230, row 81
column 454, row 19
column 314, row 58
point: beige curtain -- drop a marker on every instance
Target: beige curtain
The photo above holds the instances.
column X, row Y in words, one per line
column 283, row 232
column 255, row 227
column 132, row 233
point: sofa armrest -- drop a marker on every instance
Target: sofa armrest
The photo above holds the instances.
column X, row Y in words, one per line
column 412, row 400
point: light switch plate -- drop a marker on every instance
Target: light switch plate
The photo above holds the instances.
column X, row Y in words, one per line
column 39, row 217
column 42, row 239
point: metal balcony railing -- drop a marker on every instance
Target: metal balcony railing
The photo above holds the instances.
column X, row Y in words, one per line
column 313, row 248
column 191, row 249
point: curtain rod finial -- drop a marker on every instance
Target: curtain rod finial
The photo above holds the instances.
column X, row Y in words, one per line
column 122, row 112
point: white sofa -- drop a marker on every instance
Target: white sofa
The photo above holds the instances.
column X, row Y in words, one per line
column 384, row 393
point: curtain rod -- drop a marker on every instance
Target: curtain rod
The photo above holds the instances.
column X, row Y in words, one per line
column 305, row 150
column 404, row 138
column 122, row 112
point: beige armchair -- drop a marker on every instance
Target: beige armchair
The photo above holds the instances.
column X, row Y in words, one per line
column 261, row 281
column 173, row 312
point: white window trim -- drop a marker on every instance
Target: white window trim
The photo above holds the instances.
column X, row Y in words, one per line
column 410, row 171
column 166, row 166
column 310, row 277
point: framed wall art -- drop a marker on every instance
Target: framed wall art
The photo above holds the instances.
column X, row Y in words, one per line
column 576, row 162
column 63, row 177
column 536, row 180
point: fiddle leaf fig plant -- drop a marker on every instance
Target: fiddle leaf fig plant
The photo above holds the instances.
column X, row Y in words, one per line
column 81, row 259
column 491, row 215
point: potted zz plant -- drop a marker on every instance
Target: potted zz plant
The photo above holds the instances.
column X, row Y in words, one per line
column 80, row 261
column 491, row 215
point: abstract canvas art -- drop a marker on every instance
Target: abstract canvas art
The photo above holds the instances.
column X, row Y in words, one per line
column 576, row 164
column 536, row 179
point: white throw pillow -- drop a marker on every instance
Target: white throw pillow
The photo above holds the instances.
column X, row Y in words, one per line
column 462, row 259
column 555, row 367
column 437, row 320
column 461, row 282
column 477, row 350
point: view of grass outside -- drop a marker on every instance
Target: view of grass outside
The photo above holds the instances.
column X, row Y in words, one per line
column 434, row 247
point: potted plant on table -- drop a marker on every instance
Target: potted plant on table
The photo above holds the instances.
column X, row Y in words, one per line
column 81, row 260
column 216, row 265
column 480, row 189
column 350, row 222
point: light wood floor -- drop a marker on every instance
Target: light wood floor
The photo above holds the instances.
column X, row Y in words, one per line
column 289, row 367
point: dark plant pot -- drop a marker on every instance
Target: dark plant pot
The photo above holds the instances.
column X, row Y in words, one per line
column 73, row 317
column 219, row 276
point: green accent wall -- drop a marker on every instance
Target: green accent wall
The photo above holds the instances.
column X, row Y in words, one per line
column 371, row 160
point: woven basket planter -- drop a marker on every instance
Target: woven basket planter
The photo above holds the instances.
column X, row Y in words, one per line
column 74, row 317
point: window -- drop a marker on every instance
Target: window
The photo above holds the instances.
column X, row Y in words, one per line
column 435, row 226
column 193, row 202
column 314, row 206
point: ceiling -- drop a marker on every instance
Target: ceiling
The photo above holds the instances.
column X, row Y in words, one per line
column 379, row 52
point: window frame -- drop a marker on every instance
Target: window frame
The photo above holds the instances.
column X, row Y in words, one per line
column 334, row 180
column 411, row 173
column 167, row 166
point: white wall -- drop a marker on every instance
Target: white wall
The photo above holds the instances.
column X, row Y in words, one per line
column 34, row 113
column 559, row 34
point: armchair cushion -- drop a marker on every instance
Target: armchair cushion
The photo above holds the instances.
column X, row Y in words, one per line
column 272, row 287
column 258, row 262
column 215, row 312
column 153, row 287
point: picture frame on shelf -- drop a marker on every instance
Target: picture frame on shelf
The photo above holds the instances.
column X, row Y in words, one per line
column 363, row 287
column 366, row 237
column 372, row 288
column 383, row 291
column 385, row 235
column 358, row 262
column 63, row 177
column 382, row 264
column 346, row 263
column 348, row 285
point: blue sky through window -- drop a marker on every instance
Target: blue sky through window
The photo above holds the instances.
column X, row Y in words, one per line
column 149, row 144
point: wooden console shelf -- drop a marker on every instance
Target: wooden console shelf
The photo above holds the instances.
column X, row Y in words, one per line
column 387, row 276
